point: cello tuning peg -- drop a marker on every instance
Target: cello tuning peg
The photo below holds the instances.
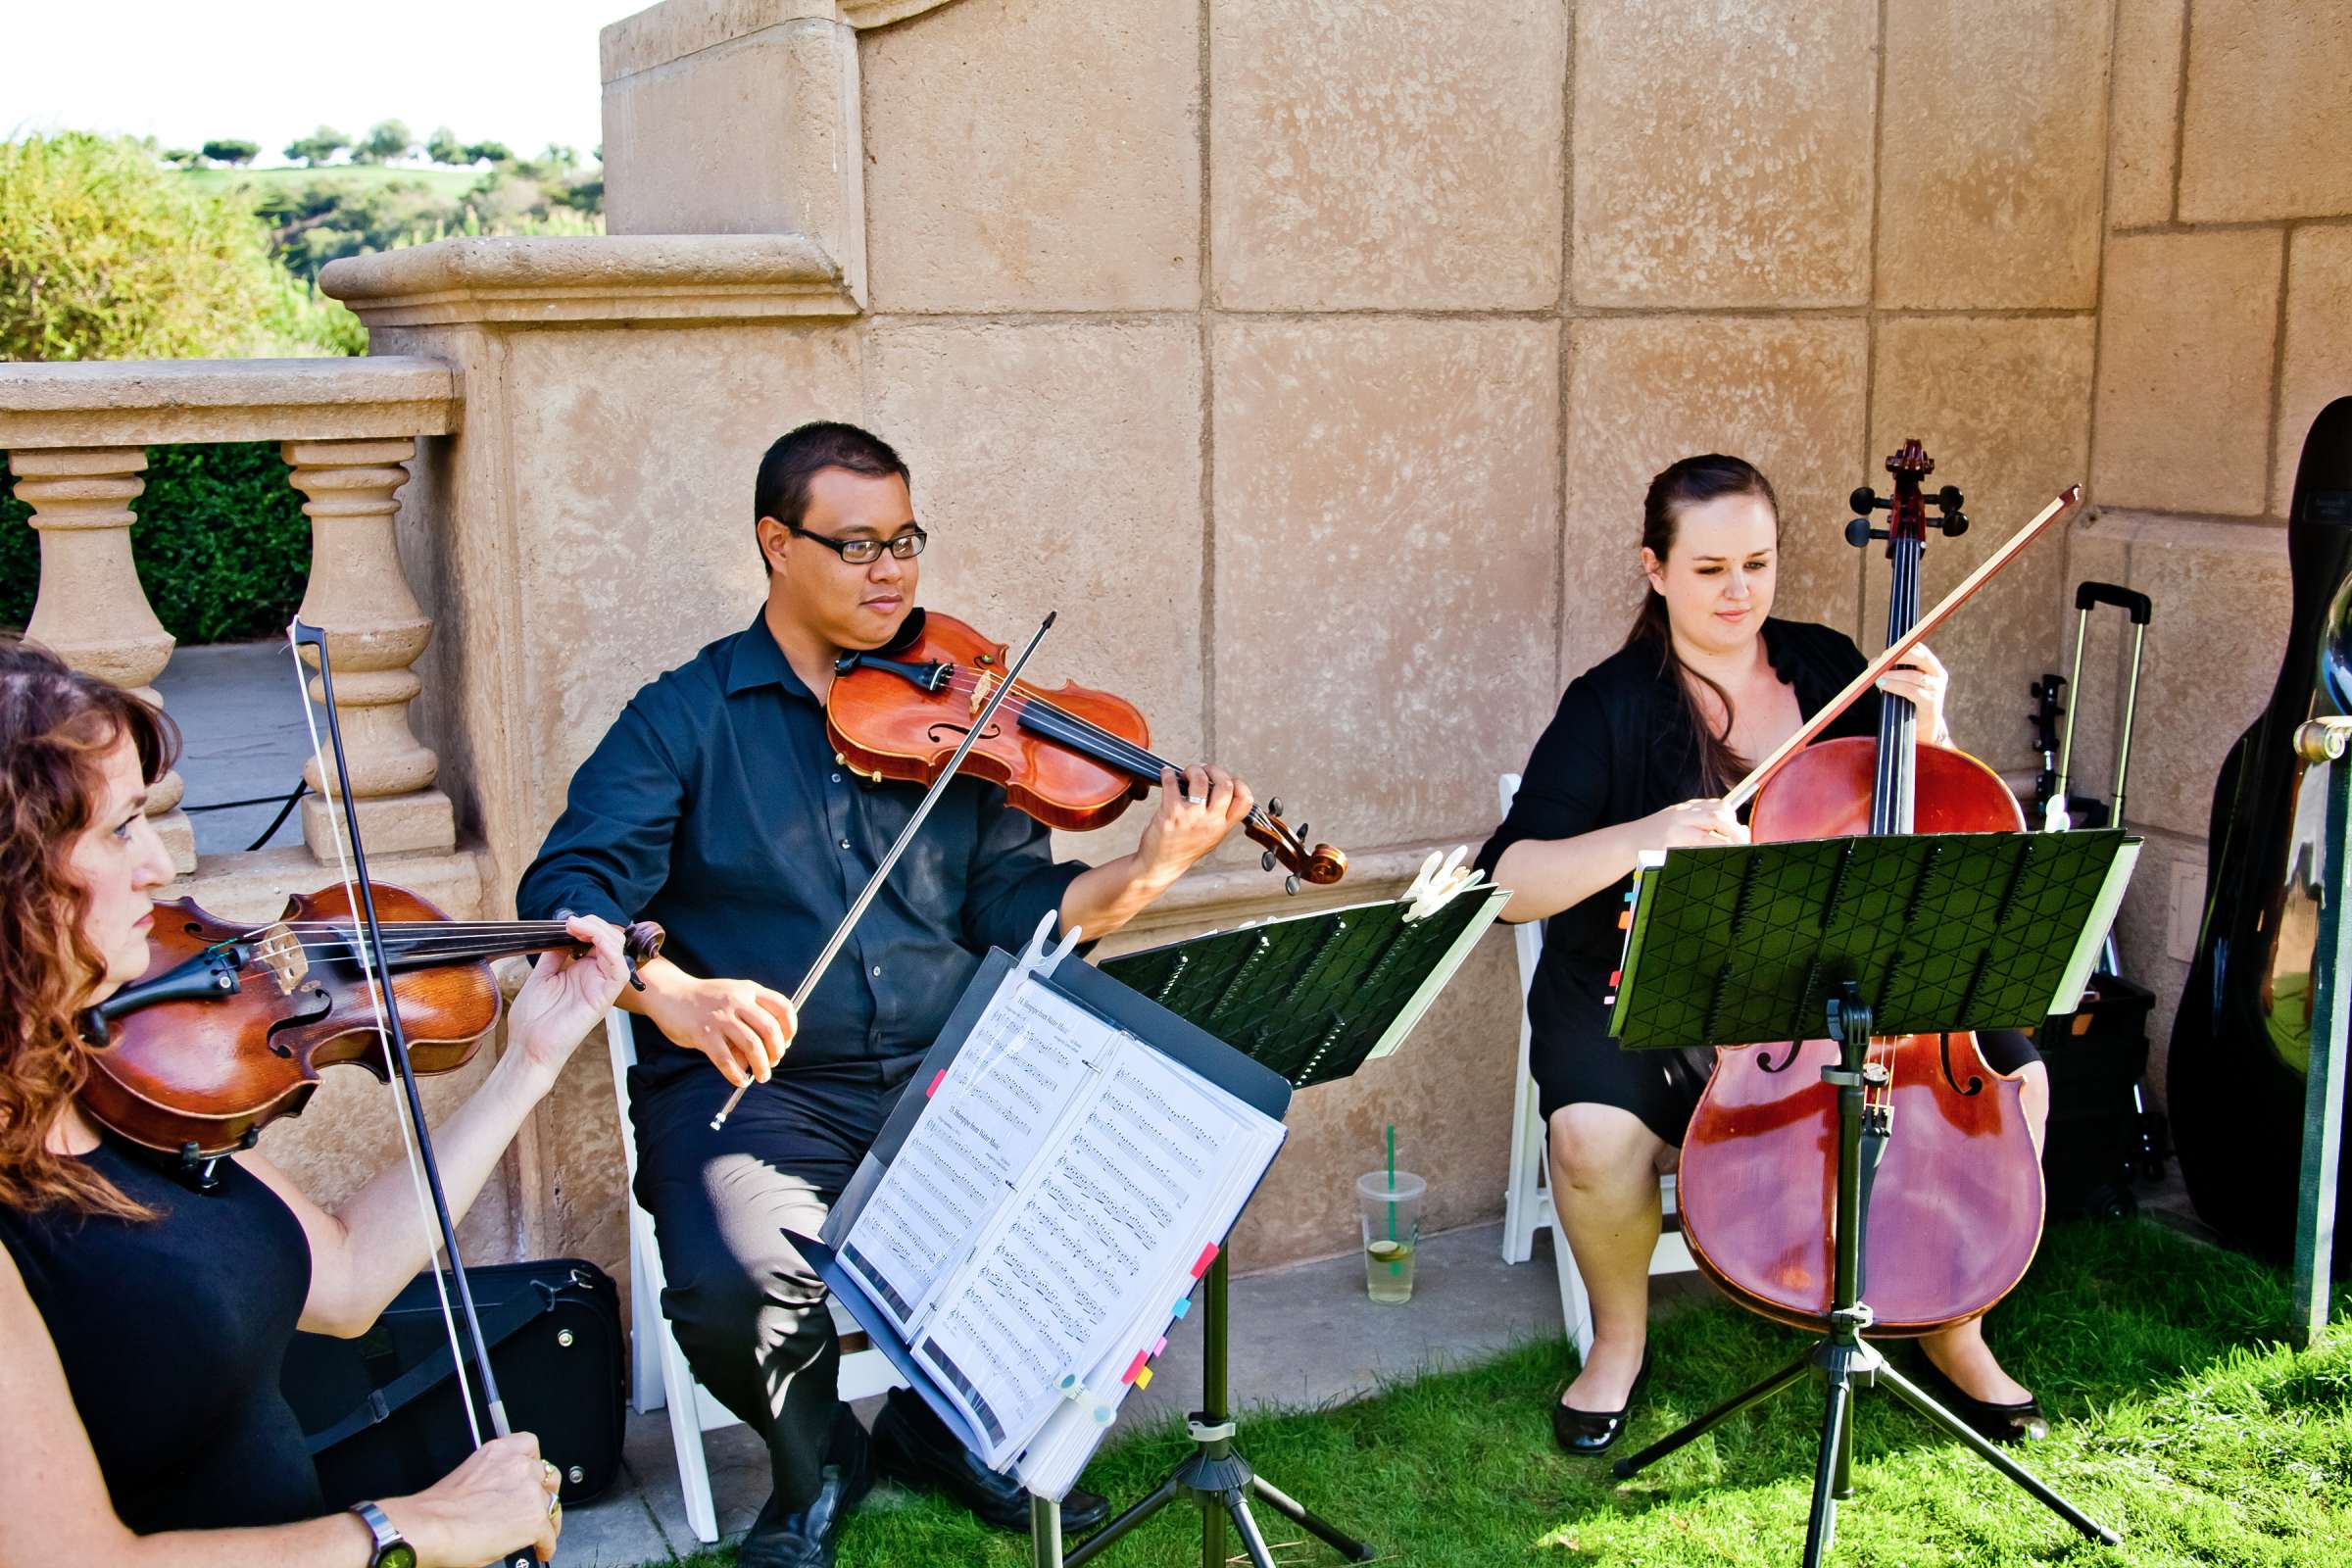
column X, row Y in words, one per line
column 1949, row 497
column 1865, row 500
column 1955, row 524
column 1290, row 884
column 1859, row 534
column 1265, row 861
column 1274, row 807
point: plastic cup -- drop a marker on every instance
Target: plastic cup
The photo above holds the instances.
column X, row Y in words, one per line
column 1391, row 1224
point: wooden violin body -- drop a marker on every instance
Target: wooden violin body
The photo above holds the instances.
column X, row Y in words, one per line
column 887, row 726
column 1956, row 1208
column 231, row 1025
column 1072, row 758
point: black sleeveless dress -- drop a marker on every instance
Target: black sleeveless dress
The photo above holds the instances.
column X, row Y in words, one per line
column 1618, row 749
column 172, row 1333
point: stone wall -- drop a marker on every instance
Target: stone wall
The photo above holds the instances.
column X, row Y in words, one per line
column 2224, row 325
column 1310, row 358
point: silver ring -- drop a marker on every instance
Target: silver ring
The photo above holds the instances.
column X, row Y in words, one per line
column 1194, row 800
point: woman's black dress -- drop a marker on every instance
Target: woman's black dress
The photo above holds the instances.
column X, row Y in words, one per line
column 172, row 1333
column 1618, row 749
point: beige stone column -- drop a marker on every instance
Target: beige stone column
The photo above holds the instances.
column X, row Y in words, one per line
column 91, row 610
column 359, row 596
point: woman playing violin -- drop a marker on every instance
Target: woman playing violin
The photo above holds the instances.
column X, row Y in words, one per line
column 142, row 1323
column 1637, row 758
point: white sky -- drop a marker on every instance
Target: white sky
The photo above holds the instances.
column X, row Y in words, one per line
column 185, row 71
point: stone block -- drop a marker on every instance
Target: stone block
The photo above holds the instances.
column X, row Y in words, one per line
column 1447, row 1090
column 1034, row 154
column 1058, row 466
column 2003, row 406
column 2188, row 323
column 623, row 524
column 2221, row 593
column 1387, row 155
column 1722, row 156
column 1788, row 395
column 1992, row 155
column 2266, row 120
column 1386, row 503
column 2318, row 352
column 757, row 134
column 2146, row 107
column 422, row 819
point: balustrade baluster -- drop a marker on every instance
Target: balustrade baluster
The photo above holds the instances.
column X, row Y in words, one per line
column 91, row 610
column 375, row 630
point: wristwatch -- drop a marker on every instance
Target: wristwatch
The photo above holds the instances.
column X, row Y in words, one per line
column 391, row 1549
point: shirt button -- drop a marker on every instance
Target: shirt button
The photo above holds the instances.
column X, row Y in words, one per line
column 837, row 779
column 845, row 844
column 877, row 972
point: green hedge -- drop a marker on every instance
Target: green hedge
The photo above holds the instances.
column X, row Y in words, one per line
column 221, row 544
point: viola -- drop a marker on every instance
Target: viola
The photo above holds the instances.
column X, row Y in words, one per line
column 1072, row 758
column 231, row 1025
column 1956, row 1204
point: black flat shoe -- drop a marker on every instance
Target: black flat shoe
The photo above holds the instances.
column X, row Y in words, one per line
column 809, row 1538
column 1998, row 1423
column 1590, row 1432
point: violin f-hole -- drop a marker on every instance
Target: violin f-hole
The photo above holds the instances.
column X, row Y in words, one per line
column 943, row 728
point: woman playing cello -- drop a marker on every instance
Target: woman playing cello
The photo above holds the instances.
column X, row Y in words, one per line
column 142, row 1323
column 1636, row 758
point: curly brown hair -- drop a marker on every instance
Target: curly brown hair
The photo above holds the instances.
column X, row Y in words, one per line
column 55, row 730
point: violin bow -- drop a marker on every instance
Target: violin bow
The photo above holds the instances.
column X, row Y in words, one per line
column 1761, row 775
column 873, row 884
column 424, row 1171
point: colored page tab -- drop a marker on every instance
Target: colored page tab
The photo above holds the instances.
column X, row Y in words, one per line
column 1208, row 1256
column 937, row 1078
column 1135, row 1369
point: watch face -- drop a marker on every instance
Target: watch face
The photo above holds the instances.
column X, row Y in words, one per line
column 398, row 1555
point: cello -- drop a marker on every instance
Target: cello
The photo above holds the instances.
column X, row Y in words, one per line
column 1955, row 1209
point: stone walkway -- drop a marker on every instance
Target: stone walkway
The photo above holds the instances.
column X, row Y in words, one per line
column 240, row 719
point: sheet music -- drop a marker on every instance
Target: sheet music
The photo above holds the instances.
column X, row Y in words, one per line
column 988, row 1120
column 1118, row 1212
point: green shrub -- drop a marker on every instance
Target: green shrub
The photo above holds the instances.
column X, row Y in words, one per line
column 221, row 544
column 106, row 255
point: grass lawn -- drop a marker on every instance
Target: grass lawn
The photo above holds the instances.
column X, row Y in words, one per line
column 2179, row 1417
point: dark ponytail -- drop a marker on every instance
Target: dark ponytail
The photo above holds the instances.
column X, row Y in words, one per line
column 1691, row 482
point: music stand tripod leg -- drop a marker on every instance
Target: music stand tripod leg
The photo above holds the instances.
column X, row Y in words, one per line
column 1322, row 1528
column 1631, row 1464
column 1914, row 1395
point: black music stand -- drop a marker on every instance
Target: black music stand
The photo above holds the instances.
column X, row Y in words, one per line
column 1748, row 944
column 1313, row 998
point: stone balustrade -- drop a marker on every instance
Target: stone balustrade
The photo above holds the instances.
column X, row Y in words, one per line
column 77, row 437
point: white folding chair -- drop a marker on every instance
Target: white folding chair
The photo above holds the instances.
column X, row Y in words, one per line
column 658, row 1374
column 1527, row 1206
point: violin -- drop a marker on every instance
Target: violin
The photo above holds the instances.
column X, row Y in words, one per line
column 1956, row 1204
column 1072, row 758
column 231, row 1025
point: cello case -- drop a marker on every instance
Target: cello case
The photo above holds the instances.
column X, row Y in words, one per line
column 2241, row 1044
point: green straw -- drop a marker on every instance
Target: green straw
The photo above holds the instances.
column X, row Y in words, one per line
column 1396, row 1264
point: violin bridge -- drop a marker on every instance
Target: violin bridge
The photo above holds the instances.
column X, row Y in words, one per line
column 983, row 682
column 281, row 951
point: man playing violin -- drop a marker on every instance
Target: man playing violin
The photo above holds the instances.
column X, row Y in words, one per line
column 716, row 805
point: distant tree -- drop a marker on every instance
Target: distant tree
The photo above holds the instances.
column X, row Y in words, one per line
column 489, row 151
column 389, row 139
column 179, row 157
column 558, row 158
column 232, row 153
column 443, row 147
column 318, row 147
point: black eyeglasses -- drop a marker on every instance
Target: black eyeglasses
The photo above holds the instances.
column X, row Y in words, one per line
column 865, row 552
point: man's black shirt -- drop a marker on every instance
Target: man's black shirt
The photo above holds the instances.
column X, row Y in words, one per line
column 714, row 805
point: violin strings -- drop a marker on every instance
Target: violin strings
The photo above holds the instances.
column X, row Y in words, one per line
column 1115, row 749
